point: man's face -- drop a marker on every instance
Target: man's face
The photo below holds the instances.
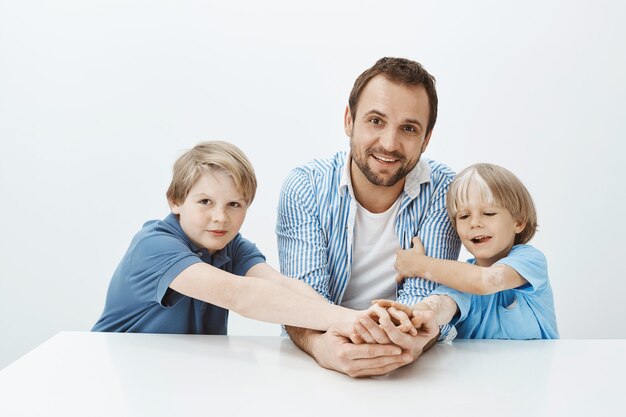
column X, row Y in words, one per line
column 387, row 134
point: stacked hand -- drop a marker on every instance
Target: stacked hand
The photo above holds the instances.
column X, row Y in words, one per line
column 373, row 324
column 383, row 338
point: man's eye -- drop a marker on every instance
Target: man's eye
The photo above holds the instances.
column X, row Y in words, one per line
column 375, row 121
column 410, row 129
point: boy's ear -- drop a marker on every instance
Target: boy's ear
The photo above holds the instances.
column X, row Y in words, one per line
column 519, row 226
column 175, row 208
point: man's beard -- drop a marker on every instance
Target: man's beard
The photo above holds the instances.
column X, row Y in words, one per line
column 361, row 162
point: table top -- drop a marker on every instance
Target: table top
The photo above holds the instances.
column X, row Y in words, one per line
column 113, row 374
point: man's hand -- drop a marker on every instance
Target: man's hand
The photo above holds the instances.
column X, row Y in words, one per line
column 408, row 260
column 335, row 351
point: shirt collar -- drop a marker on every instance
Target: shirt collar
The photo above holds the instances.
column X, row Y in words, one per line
column 419, row 175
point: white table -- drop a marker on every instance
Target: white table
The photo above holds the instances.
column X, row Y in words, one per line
column 99, row 374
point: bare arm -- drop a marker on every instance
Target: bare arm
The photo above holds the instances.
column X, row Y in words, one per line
column 265, row 271
column 443, row 306
column 261, row 299
column 461, row 276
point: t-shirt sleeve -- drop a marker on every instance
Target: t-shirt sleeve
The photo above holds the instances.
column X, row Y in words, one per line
column 245, row 255
column 531, row 264
column 156, row 261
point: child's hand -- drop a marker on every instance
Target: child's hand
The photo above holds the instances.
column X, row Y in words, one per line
column 407, row 261
column 415, row 313
column 367, row 329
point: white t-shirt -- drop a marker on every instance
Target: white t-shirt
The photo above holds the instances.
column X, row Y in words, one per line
column 373, row 257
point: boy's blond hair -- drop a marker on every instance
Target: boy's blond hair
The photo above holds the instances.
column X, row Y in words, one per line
column 205, row 157
column 499, row 187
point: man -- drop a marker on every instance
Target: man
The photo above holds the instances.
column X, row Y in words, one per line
column 341, row 220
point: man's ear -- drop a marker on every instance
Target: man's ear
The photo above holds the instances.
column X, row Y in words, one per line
column 347, row 122
column 426, row 141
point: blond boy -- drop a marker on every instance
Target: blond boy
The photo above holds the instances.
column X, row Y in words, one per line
column 183, row 273
column 495, row 217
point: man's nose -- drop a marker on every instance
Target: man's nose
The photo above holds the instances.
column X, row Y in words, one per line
column 389, row 140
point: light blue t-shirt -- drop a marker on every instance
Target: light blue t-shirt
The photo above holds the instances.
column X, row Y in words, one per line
column 139, row 298
column 525, row 312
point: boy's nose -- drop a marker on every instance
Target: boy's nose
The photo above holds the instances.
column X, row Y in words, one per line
column 475, row 222
column 218, row 215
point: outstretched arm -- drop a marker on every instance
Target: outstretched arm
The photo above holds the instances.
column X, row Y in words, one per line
column 262, row 299
column 461, row 276
column 265, row 271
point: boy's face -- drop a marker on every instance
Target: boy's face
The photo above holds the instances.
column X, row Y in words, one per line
column 213, row 211
column 486, row 231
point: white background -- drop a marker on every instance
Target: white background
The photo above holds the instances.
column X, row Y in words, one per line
column 98, row 98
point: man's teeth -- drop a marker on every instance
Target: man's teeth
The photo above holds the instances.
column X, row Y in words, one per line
column 382, row 158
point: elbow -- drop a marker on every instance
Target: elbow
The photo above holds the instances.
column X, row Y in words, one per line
column 490, row 282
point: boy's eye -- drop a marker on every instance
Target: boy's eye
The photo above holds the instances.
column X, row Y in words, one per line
column 234, row 204
column 463, row 216
column 204, row 201
column 489, row 213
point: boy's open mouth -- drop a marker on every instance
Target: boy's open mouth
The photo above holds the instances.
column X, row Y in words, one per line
column 480, row 239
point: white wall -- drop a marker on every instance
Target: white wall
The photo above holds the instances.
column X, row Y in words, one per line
column 97, row 99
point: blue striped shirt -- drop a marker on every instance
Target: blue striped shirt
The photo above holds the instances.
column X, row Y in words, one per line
column 315, row 226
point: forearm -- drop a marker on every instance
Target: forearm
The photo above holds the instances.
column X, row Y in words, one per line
column 268, row 301
column 267, row 272
column 303, row 338
column 260, row 299
column 458, row 275
column 469, row 278
column 443, row 306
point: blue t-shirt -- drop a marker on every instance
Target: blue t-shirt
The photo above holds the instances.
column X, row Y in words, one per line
column 139, row 298
column 525, row 312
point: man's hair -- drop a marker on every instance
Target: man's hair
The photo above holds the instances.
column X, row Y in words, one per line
column 401, row 71
column 208, row 156
column 499, row 187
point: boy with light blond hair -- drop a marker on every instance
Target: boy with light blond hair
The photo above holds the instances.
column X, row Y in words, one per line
column 183, row 273
column 495, row 217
